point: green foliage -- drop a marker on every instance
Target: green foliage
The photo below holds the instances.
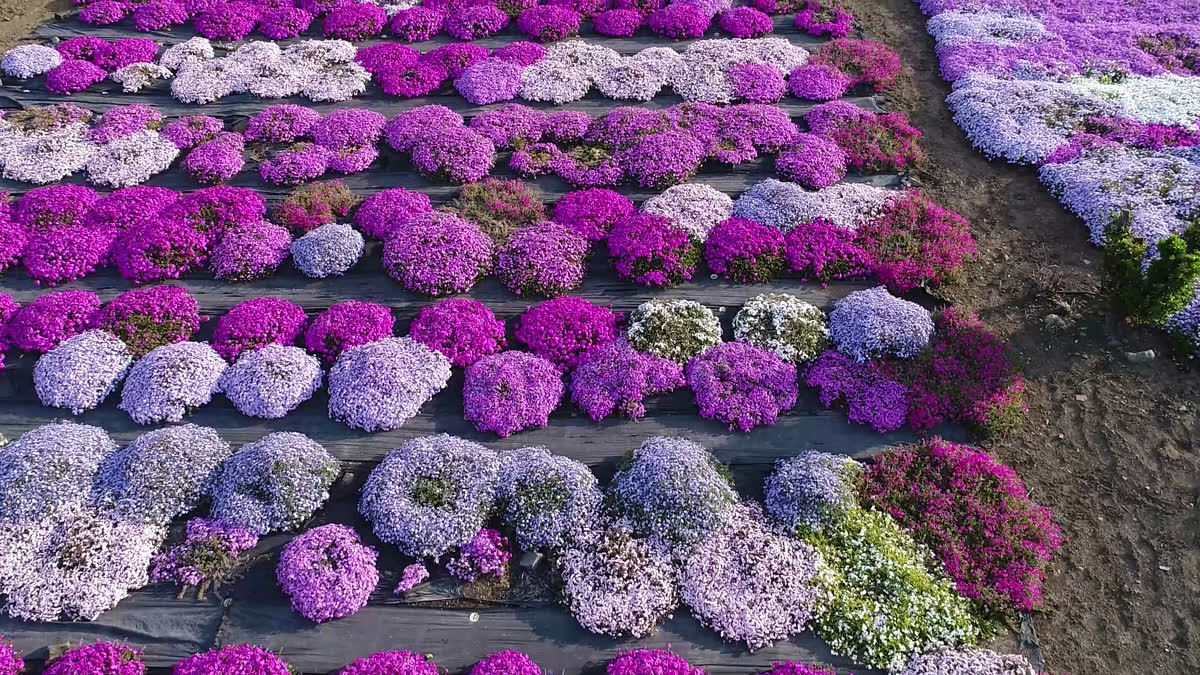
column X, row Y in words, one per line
column 1169, row 282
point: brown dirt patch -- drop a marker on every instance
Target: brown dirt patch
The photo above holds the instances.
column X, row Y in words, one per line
column 18, row 18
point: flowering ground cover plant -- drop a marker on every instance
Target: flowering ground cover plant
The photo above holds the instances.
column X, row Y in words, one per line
column 549, row 501
column 621, row 586
column 81, row 371
column 327, row 572
column 208, row 553
column 510, row 391
column 102, row 658
column 380, row 385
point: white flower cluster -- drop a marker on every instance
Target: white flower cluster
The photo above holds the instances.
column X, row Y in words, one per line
column 1162, row 99
column 130, row 160
column 695, row 207
column 783, row 323
column 137, row 76
column 1008, row 29
column 673, row 329
column 320, row 70
column 40, row 156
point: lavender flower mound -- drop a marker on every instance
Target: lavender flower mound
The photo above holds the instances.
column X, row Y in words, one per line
column 673, row 491
column 171, row 381
column 756, row 82
column 591, row 213
column 463, row 330
column 74, row 564
column 658, row 161
column 26, row 61
column 546, row 259
column 549, row 501
column 510, row 126
column 275, row 483
column 100, row 658
column 327, row 573
column 486, row 555
column 784, row 205
column 695, row 207
column 506, row 662
column 250, row 252
column 814, row 162
column 431, row 494
column 347, row 324
column 233, row 659
column 50, row 319
column 619, row 587
column 873, row 323
column 380, row 385
column 750, row 584
column 661, row 661
column 295, row 164
column 489, row 81
column 329, row 250
column 208, row 552
column 81, row 371
column 282, row 123
column 968, row 662
column 511, row 391
column 673, row 329
column 742, row 385
column 783, row 323
column 410, row 577
column 613, row 378
column 271, row 381
column 255, row 323
column 49, row 468
column 811, row 490
column 437, row 254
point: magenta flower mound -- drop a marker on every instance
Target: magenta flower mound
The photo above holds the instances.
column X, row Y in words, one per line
column 216, row 160
column 619, row 586
column 250, row 252
column 283, row 23
column 742, row 385
column 813, row 161
column 657, row 661
column 507, row 662
column 128, row 207
column 864, row 61
column 562, row 329
column 510, row 126
column 521, row 52
column 295, row 164
column 546, row 23
column 81, row 371
column 271, row 381
column 312, row 205
column 84, row 47
column 145, row 318
column 102, row 13
column 410, row 577
column 821, row 251
column 228, row 21
column 170, row 381
column 124, row 121
column 510, row 391
column 347, row 324
column 475, row 21
column 745, row 22
column 456, row 56
column 327, row 572
column 190, row 131
column 380, row 385
column 546, row 259
column 213, row 210
column 11, row 662
column 486, row 555
column 161, row 248
column 744, row 251
column 417, row 24
column 233, row 659
column 618, row 22
column 875, row 143
column 567, row 126
column 456, row 154
column 680, row 21
column 489, row 81
column 652, row 250
column 255, row 323
column 74, row 75
column 100, row 658
column 383, row 56
column 592, row 213
column 975, row 513
column 12, row 242
column 53, row 317
column 387, row 210
column 355, row 22
column 872, row 323
column 658, row 161
column 431, row 494
column 818, row 82
column 65, row 254
column 463, row 330
column 281, row 123
column 832, row 21
column 534, row 160
column 868, row 392
column 614, row 378
column 54, row 206
column 392, row 663
column 437, row 254
column 936, row 242
column 208, row 553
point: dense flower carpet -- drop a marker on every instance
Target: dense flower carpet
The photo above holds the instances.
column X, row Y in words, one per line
column 526, row 337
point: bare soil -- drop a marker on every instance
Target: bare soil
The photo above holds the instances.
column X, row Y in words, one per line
column 18, row 18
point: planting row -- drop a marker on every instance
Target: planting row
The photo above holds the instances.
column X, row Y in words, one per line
column 758, row 70
column 1105, row 102
column 889, row 361
column 464, row 19
column 928, row 547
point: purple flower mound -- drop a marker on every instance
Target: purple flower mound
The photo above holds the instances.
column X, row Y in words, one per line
column 145, row 318
column 510, row 126
column 656, row 661
column 272, row 381
column 417, row 79
column 255, row 323
column 283, row 23
column 11, row 662
column 744, row 251
column 562, row 329
column 274, row 484
column 12, row 242
column 463, row 330
column 42, row 324
column 813, row 161
column 295, row 164
column 392, row 663
column 158, row 249
column 489, row 81
column 756, row 82
column 486, row 555
column 213, row 210
column 818, row 82
column 510, row 391
column 658, row 161
column 431, row 494
column 50, row 467
column 66, row 254
column 208, row 553
column 84, row 47
column 103, row 13
column 385, row 211
column 680, row 21
column 190, row 131
column 750, row 584
column 347, row 324
column 968, row 662
column 380, row 385
column 330, row 250
column 549, row 501
column 618, row 22
column 745, row 22
column 652, row 250
column 250, row 252
column 233, row 659
column 281, row 123
column 614, row 378
column 873, row 323
column 869, row 394
column 456, row 56
column 437, row 254
column 567, row 126
column 546, row 23
column 592, row 212
column 619, row 586
column 831, row 21
column 417, row 24
column 123, row 121
column 216, row 160
column 475, row 21
column 128, row 207
column 74, row 75
column 742, row 385
column 81, row 371
column 54, row 206
column 811, row 490
column 355, row 22
column 546, row 259
column 457, row 155
column 534, row 160
column 101, row 658
column 410, row 577
column 327, row 572
column 383, row 56
column 521, row 52
column 170, row 381
column 507, row 662
column 227, row 21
